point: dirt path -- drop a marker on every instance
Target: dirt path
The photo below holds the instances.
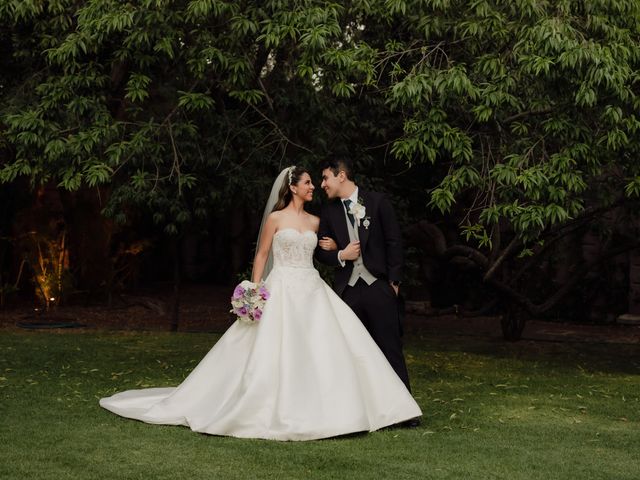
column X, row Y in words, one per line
column 205, row 308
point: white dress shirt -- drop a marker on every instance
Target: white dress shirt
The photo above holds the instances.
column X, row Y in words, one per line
column 354, row 199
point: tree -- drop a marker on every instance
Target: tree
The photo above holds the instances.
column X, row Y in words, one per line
column 169, row 109
column 515, row 120
column 529, row 111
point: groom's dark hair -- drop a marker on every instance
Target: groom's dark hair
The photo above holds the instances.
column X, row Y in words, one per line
column 339, row 164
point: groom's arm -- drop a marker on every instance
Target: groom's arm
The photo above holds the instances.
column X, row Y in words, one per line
column 328, row 257
column 393, row 240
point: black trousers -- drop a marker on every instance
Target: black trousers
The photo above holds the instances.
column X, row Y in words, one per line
column 376, row 306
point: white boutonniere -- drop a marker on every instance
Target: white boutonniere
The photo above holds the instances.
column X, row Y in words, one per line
column 359, row 212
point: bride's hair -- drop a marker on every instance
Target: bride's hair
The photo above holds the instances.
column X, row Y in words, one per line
column 285, row 195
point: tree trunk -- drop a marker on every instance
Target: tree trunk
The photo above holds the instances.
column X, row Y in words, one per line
column 175, row 310
column 90, row 236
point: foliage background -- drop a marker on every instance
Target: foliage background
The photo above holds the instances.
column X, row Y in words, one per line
column 508, row 128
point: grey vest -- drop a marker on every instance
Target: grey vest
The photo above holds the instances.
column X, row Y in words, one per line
column 359, row 270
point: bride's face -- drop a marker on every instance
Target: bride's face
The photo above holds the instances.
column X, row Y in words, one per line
column 304, row 188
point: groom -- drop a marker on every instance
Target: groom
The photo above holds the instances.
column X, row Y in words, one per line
column 369, row 257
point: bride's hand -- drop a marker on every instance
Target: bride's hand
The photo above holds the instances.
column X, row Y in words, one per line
column 328, row 243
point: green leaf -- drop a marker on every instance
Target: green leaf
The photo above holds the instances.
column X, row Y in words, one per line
column 137, row 87
column 194, row 101
column 343, row 89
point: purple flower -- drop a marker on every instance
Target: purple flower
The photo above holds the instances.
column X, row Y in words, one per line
column 238, row 292
column 248, row 300
column 264, row 293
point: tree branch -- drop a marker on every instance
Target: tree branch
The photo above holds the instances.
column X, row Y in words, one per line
column 278, row 130
column 515, row 242
column 520, row 115
column 467, row 252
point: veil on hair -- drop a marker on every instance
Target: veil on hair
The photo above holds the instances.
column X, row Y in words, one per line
column 268, row 208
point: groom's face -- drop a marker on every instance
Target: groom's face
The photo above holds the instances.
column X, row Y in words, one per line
column 331, row 183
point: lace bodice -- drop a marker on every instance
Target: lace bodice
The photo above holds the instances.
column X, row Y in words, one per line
column 293, row 249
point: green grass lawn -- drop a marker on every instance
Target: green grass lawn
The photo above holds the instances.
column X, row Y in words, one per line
column 491, row 410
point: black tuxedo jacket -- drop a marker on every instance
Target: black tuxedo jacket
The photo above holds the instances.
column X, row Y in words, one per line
column 380, row 243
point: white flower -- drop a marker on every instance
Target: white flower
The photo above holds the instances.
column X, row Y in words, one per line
column 358, row 211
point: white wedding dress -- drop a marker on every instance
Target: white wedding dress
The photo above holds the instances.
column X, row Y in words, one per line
column 307, row 370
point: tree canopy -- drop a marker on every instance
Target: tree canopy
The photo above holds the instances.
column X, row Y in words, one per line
column 516, row 118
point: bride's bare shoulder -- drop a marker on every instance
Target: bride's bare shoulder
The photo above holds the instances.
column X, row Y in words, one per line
column 278, row 215
column 274, row 218
column 315, row 222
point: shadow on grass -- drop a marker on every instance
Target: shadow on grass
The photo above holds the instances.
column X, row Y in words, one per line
column 601, row 357
column 517, row 411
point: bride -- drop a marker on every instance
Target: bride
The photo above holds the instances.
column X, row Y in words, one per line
column 307, row 370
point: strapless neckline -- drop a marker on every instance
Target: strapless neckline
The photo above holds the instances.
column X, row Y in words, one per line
column 295, row 230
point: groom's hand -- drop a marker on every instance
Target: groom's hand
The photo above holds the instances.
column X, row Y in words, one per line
column 351, row 251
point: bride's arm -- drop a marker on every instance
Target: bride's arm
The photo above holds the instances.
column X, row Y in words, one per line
column 327, row 257
column 325, row 243
column 264, row 245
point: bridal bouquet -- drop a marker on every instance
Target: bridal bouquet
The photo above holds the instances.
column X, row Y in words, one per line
column 248, row 301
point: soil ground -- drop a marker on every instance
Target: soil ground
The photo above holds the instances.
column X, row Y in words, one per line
column 205, row 308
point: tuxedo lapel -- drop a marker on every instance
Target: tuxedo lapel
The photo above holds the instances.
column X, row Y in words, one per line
column 363, row 233
column 340, row 223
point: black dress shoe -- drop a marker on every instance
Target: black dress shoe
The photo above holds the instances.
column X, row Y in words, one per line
column 411, row 423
